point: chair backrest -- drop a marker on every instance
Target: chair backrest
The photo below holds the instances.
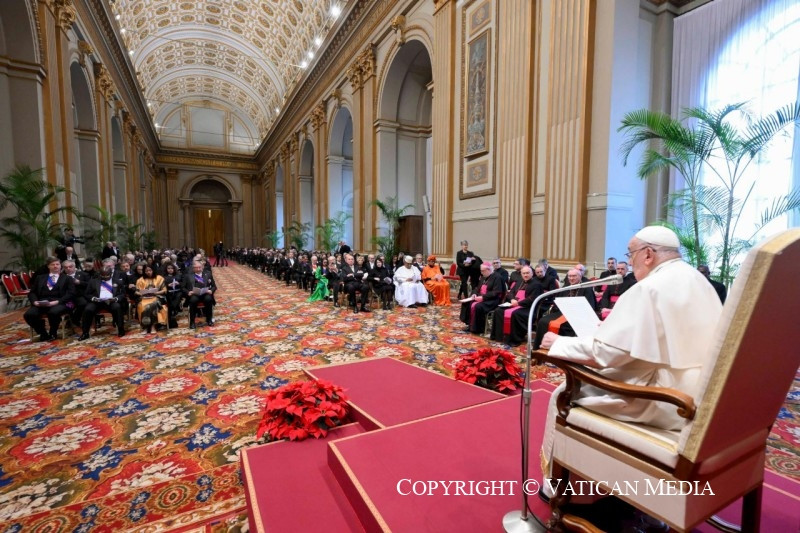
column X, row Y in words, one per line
column 26, row 279
column 9, row 285
column 756, row 358
column 17, row 282
column 453, row 268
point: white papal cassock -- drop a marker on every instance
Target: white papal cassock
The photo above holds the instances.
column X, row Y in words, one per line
column 659, row 334
column 409, row 290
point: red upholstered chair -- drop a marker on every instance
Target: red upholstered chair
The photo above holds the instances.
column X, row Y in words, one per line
column 724, row 440
column 452, row 278
column 15, row 295
column 26, row 279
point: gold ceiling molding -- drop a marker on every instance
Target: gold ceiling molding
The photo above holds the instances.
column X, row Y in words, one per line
column 65, row 14
column 206, row 162
column 256, row 45
column 363, row 68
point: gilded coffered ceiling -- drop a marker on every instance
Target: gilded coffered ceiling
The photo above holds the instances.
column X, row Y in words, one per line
column 245, row 56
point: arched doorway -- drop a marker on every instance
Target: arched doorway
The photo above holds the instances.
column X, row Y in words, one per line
column 86, row 138
column 211, row 214
column 404, row 138
column 340, row 169
column 306, row 179
column 120, row 197
column 280, row 222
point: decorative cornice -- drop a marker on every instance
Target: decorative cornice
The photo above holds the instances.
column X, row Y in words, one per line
column 353, row 74
column 293, row 145
column 65, row 13
column 207, row 162
column 285, row 150
column 366, row 62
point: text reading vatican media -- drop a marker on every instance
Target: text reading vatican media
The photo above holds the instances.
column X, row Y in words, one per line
column 647, row 487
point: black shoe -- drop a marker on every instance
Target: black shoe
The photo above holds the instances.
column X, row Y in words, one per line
column 83, row 337
column 466, row 329
column 121, row 333
column 364, row 309
column 45, row 337
column 210, row 323
column 192, row 325
column 149, row 329
column 173, row 324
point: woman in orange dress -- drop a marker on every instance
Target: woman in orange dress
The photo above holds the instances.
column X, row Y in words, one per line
column 152, row 307
column 433, row 278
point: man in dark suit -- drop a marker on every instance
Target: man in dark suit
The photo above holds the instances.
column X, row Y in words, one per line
column 104, row 293
column 500, row 271
column 468, row 268
column 49, row 296
column 80, row 280
column 199, row 287
column 344, row 248
column 722, row 291
column 354, row 282
column 108, row 250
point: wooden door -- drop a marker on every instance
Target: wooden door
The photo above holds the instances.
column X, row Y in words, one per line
column 209, row 228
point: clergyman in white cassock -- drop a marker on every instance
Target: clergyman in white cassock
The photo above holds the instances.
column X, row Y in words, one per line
column 409, row 291
column 659, row 334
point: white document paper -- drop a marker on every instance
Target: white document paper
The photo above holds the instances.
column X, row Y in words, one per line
column 465, row 300
column 505, row 304
column 579, row 314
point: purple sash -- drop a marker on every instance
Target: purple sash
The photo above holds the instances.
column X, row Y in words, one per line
column 508, row 312
column 199, row 279
column 108, row 286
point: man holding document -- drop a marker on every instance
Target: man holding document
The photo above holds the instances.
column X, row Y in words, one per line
column 199, row 287
column 49, row 297
column 103, row 294
column 658, row 335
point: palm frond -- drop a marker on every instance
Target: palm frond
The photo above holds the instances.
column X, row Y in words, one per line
column 762, row 131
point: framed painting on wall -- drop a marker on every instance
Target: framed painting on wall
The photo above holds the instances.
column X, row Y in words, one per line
column 477, row 179
column 480, row 17
column 476, row 131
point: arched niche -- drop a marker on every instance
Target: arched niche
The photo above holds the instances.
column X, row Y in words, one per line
column 21, row 114
column 404, row 127
column 306, row 185
column 340, row 168
column 85, row 146
column 120, row 167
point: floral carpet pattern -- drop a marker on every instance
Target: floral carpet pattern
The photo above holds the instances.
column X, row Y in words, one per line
column 143, row 432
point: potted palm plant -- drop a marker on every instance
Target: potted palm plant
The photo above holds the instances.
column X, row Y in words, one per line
column 332, row 231
column 33, row 226
column 720, row 144
column 391, row 213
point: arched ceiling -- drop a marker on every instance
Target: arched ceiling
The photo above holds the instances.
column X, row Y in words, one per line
column 246, row 55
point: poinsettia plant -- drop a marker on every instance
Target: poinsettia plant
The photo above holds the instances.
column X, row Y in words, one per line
column 303, row 409
column 492, row 369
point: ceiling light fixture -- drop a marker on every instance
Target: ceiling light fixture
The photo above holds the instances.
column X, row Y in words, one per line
column 277, row 110
column 304, row 64
column 122, row 30
column 310, row 54
column 336, row 10
column 130, row 52
column 118, row 16
column 318, row 41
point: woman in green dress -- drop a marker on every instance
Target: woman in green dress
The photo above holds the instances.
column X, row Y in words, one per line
column 321, row 288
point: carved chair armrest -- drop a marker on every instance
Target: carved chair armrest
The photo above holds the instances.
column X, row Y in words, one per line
column 576, row 374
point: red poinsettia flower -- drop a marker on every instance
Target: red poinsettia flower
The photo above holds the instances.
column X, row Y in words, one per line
column 493, row 369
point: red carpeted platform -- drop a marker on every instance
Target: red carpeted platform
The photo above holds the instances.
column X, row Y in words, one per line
column 388, row 392
column 477, row 444
column 289, row 486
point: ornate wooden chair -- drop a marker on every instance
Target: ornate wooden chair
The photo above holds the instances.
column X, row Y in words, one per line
column 722, row 445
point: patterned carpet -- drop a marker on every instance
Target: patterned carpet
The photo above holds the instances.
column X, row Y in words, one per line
column 142, row 433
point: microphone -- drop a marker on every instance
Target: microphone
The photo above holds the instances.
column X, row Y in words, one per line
column 518, row 521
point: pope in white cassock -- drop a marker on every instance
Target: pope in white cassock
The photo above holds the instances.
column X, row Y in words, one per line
column 659, row 334
column 408, row 289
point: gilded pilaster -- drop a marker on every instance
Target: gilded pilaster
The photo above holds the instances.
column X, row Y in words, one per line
column 366, row 63
column 172, row 212
column 354, row 74
column 271, row 196
column 318, row 123
column 444, row 134
column 247, row 208
column 568, row 126
column 513, row 128
column 287, row 217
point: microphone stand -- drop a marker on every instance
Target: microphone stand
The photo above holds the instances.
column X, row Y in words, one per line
column 519, row 521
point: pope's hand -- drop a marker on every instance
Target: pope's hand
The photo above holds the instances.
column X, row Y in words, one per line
column 548, row 340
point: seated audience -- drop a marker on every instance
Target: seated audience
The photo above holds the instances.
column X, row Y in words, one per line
column 49, row 296
column 485, row 298
column 515, row 278
column 321, row 291
column 152, row 292
column 173, row 280
column 433, row 279
column 613, row 292
column 103, row 294
column 409, row 292
column 722, row 291
column 333, row 275
column 353, row 280
column 611, row 269
column 497, row 265
column 80, row 280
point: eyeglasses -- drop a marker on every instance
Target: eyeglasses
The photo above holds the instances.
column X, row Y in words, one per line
column 630, row 254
